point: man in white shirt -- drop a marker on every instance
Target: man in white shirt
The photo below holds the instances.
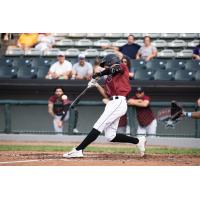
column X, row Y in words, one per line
column 82, row 70
column 62, row 69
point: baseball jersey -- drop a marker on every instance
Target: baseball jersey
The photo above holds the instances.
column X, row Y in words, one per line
column 144, row 114
column 118, row 85
column 123, row 121
column 58, row 104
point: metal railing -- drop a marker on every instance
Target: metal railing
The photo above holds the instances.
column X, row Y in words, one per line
column 131, row 114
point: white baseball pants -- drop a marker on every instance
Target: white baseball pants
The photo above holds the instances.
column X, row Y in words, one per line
column 148, row 130
column 56, row 128
column 109, row 120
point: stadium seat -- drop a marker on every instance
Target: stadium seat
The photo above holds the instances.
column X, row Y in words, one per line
column 160, row 43
column 138, row 64
column 188, row 35
column 136, row 35
column 140, row 42
column 42, row 72
column 95, row 35
column 33, row 52
column 119, row 43
column 152, row 35
column 156, row 64
column 5, row 62
column 177, row 43
column 60, row 34
column 65, row 42
column 113, row 35
column 52, row 52
column 106, row 52
column 79, row 35
column 197, row 76
column 72, row 52
column 20, row 62
column 175, row 64
column 192, row 65
column 40, row 62
column 26, row 72
column 91, row 53
column 193, row 43
column 169, row 35
column 186, row 53
column 144, row 74
column 166, row 75
column 166, row 53
column 84, row 42
column 102, row 42
column 14, row 52
column 184, row 75
column 7, row 72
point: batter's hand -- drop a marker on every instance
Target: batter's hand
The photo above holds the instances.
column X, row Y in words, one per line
column 92, row 83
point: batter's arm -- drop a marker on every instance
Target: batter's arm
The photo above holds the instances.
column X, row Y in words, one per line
column 101, row 91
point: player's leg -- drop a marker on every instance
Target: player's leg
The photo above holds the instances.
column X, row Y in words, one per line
column 55, row 124
column 141, row 131
column 75, row 130
column 112, row 136
column 113, row 110
column 151, row 128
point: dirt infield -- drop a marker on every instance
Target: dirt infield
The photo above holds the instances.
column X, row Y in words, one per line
column 24, row 158
column 54, row 158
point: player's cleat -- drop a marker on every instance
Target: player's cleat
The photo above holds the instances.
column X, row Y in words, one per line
column 73, row 154
column 141, row 145
column 75, row 130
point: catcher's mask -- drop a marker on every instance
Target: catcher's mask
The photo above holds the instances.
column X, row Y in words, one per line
column 109, row 60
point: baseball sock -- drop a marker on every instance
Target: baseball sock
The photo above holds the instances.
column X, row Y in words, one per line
column 92, row 136
column 125, row 139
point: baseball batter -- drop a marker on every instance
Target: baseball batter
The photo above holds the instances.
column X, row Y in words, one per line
column 117, row 87
column 58, row 106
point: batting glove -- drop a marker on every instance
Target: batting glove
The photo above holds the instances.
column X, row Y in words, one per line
column 92, row 83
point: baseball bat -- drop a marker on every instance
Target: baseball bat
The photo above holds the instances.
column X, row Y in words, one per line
column 78, row 97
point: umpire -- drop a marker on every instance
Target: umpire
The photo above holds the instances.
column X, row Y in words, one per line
column 147, row 123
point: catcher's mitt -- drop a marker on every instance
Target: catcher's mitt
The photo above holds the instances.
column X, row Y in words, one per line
column 170, row 116
column 176, row 111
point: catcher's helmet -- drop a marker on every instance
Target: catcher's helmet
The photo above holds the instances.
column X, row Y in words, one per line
column 109, row 60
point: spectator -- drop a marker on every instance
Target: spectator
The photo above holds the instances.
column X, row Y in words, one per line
column 27, row 40
column 96, row 66
column 130, row 49
column 62, row 69
column 127, row 62
column 147, row 52
column 58, row 105
column 45, row 41
column 147, row 123
column 82, row 70
column 8, row 40
column 196, row 52
column 198, row 102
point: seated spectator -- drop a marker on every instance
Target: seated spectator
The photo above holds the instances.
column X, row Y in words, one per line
column 130, row 49
column 27, row 40
column 127, row 62
column 198, row 102
column 45, row 41
column 147, row 52
column 96, row 66
column 82, row 70
column 196, row 52
column 62, row 69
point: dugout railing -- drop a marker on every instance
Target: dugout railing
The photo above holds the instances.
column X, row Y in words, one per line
column 11, row 116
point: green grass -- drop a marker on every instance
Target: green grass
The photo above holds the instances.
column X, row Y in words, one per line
column 97, row 149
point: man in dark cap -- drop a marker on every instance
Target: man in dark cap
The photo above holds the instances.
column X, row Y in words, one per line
column 147, row 123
